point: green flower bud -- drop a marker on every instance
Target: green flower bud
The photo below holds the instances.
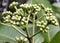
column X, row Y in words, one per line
column 17, row 23
column 22, row 23
column 21, row 38
column 48, row 10
column 47, row 28
column 47, row 18
column 11, row 21
column 43, row 26
column 57, row 24
column 14, row 22
column 6, row 20
column 13, row 4
column 17, row 38
column 41, row 29
column 6, row 13
column 25, row 39
column 42, row 6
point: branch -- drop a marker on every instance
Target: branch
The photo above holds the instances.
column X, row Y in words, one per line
column 27, row 26
column 35, row 34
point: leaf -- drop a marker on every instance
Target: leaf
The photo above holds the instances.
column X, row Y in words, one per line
column 45, row 2
column 7, row 33
column 39, row 38
column 56, row 38
column 52, row 32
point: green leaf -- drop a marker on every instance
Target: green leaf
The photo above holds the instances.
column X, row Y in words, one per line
column 52, row 32
column 8, row 34
column 56, row 38
column 39, row 38
column 45, row 2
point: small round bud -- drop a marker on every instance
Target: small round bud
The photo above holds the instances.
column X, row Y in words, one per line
column 17, row 38
column 47, row 18
column 25, row 39
column 13, row 4
column 43, row 26
column 56, row 24
column 19, row 17
column 21, row 38
column 14, row 22
column 53, row 22
column 45, row 23
column 41, row 29
column 17, row 23
column 47, row 28
column 22, row 23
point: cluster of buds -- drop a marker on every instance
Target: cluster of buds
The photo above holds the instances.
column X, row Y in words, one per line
column 13, row 4
column 14, row 18
column 7, row 16
column 30, row 8
column 43, row 26
column 21, row 39
column 50, row 18
column 42, row 6
column 19, row 17
column 48, row 10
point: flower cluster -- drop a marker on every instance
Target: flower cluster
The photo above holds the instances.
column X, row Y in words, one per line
column 42, row 6
column 48, row 10
column 50, row 18
column 19, row 17
column 25, row 13
column 43, row 26
column 21, row 39
column 13, row 4
column 7, row 16
column 30, row 8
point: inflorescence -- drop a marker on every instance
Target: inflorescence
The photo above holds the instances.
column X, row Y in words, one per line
column 19, row 17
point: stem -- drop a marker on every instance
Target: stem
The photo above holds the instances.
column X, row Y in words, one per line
column 48, row 37
column 30, row 40
column 33, row 27
column 35, row 34
column 27, row 26
column 15, row 7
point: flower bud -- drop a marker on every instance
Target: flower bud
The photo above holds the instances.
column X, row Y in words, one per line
column 13, row 4
column 21, row 38
column 17, row 38
column 41, row 29
column 25, row 39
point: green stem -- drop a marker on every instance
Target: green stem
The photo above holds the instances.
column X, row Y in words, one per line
column 27, row 26
column 35, row 34
column 15, row 7
column 48, row 37
column 33, row 27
